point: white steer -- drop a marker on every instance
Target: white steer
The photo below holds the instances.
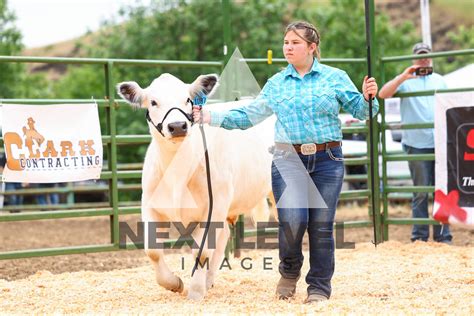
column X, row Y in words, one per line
column 174, row 175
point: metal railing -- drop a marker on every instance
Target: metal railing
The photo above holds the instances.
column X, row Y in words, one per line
column 111, row 139
column 115, row 172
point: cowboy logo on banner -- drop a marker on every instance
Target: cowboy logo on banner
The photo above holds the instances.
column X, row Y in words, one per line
column 51, row 143
column 454, row 128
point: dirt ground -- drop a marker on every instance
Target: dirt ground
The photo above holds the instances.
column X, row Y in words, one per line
column 88, row 231
column 394, row 279
column 398, row 277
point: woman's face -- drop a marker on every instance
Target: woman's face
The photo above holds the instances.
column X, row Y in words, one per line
column 295, row 49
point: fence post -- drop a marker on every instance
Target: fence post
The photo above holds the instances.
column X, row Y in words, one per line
column 227, row 53
column 112, row 152
column 384, row 193
column 227, row 48
column 376, row 189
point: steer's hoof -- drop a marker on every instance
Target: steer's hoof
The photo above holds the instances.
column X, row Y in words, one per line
column 179, row 288
column 195, row 296
column 196, row 292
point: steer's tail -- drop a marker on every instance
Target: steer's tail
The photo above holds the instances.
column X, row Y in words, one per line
column 261, row 212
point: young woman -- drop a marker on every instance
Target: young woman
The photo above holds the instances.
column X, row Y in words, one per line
column 307, row 168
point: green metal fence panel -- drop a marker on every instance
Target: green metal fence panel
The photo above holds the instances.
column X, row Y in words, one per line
column 17, row 254
column 394, row 192
column 105, row 61
column 24, row 216
column 430, row 55
column 115, row 171
column 323, row 60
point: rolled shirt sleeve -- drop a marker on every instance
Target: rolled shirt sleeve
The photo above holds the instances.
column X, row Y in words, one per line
column 351, row 100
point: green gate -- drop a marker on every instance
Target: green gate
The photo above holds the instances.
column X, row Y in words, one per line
column 116, row 171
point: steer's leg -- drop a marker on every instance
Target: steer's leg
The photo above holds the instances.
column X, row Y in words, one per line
column 164, row 276
column 197, row 288
column 218, row 254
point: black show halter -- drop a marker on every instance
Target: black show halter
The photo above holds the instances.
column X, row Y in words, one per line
column 159, row 126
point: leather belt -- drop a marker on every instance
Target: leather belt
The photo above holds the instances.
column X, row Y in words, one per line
column 307, row 149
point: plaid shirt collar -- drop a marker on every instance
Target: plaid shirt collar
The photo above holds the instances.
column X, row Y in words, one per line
column 291, row 71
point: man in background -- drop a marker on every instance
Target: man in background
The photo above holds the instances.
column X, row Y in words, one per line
column 419, row 77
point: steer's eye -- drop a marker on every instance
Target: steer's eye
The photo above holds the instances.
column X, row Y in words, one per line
column 153, row 103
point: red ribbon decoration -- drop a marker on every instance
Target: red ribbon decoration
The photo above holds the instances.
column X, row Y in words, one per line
column 448, row 205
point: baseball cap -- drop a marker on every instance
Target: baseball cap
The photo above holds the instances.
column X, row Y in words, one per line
column 421, row 48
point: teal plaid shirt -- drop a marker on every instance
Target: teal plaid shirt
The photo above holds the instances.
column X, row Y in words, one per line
column 306, row 108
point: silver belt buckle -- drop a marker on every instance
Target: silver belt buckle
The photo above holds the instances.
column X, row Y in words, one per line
column 308, row 149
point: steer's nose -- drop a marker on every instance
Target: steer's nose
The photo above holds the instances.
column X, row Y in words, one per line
column 177, row 129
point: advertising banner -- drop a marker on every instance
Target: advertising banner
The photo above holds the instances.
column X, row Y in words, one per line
column 51, row 143
column 454, row 137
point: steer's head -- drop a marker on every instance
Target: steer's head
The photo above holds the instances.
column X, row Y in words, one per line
column 167, row 100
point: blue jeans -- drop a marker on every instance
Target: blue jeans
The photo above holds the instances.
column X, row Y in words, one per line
column 47, row 199
column 312, row 185
column 14, row 199
column 423, row 173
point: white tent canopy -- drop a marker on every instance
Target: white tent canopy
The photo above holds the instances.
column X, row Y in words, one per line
column 461, row 78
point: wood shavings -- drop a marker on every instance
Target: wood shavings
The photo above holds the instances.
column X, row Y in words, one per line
column 394, row 278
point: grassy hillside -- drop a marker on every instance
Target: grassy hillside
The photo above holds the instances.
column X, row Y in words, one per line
column 461, row 10
column 69, row 48
column 446, row 16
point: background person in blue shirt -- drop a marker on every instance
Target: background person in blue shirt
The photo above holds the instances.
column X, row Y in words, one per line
column 307, row 167
column 419, row 141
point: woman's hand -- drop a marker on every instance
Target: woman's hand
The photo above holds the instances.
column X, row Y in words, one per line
column 206, row 116
column 369, row 87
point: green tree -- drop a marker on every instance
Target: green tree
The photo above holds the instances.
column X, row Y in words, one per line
column 463, row 38
column 257, row 25
column 192, row 30
column 10, row 44
column 15, row 80
column 342, row 27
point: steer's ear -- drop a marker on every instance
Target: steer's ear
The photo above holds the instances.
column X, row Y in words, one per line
column 206, row 84
column 131, row 92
